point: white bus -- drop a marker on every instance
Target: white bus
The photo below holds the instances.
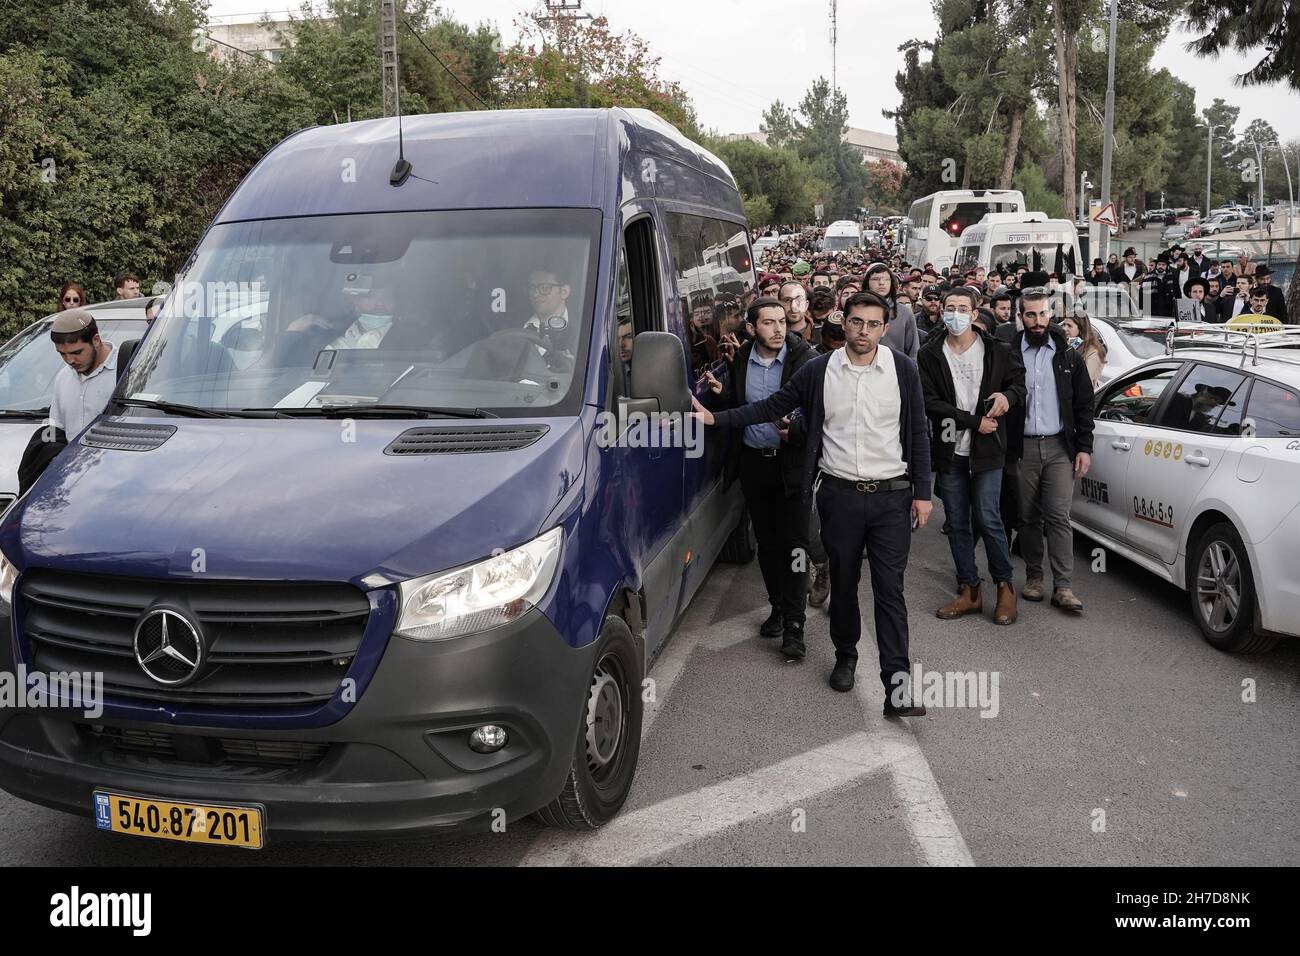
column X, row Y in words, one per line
column 935, row 222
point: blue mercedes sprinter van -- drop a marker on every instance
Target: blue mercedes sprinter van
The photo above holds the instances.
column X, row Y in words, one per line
column 355, row 548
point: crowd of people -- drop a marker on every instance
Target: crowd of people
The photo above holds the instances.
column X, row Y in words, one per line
column 862, row 385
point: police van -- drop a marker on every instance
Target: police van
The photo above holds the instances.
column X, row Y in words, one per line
column 1011, row 240
column 405, row 565
column 1194, row 469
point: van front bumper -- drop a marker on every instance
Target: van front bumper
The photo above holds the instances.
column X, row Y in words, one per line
column 397, row 764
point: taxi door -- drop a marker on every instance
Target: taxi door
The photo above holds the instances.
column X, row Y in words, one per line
column 1199, row 424
column 1124, row 409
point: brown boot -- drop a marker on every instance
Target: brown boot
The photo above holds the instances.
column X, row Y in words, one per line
column 1005, row 612
column 967, row 602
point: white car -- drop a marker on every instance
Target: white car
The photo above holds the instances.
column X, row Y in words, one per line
column 28, row 364
column 1125, row 348
column 1194, row 477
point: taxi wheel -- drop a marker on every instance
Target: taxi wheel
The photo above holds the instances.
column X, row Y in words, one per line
column 609, row 737
column 1222, row 592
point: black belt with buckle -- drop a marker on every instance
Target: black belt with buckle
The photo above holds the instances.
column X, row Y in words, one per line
column 872, row 486
column 763, row 452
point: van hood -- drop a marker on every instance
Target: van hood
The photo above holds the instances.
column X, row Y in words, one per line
column 290, row 500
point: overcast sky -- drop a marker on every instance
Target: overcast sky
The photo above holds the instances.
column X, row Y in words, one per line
column 712, row 48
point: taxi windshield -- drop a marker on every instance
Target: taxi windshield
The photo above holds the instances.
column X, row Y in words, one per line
column 482, row 310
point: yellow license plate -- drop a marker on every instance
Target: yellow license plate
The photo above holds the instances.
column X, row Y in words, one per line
column 186, row 822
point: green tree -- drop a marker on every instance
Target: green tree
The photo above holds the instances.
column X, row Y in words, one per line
column 780, row 176
column 1247, row 25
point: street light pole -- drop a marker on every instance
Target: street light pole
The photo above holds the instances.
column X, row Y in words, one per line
column 1209, row 161
column 1103, row 243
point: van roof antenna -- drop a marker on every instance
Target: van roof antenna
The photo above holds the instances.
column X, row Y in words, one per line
column 392, row 85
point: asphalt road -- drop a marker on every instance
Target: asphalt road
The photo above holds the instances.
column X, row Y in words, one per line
column 1120, row 737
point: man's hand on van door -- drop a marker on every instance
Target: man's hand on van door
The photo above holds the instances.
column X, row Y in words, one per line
column 700, row 412
column 714, row 385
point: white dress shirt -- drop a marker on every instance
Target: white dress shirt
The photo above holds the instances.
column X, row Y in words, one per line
column 860, row 437
column 79, row 399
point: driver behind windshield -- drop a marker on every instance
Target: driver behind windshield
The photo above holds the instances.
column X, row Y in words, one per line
column 368, row 301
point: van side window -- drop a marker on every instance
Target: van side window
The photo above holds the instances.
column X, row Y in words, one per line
column 624, row 329
column 712, row 261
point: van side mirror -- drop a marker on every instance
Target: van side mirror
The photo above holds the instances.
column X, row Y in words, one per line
column 659, row 371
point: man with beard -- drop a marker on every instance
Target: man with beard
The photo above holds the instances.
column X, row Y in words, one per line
column 868, row 463
column 768, row 456
column 1195, row 289
column 1276, row 300
column 1052, row 435
column 1161, row 287
column 931, row 315
column 794, row 300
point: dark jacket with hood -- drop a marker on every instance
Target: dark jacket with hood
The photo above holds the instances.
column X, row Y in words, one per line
column 1073, row 393
column 901, row 336
column 1003, row 372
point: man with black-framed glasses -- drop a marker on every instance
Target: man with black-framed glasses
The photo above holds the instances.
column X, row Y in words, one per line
column 867, row 463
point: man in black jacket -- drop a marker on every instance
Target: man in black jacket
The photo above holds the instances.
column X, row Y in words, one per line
column 868, row 455
column 1161, row 288
column 1276, row 298
column 1052, row 436
column 970, row 382
column 768, row 458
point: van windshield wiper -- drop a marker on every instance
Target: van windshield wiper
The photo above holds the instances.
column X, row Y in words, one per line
column 386, row 411
column 174, row 408
column 24, row 412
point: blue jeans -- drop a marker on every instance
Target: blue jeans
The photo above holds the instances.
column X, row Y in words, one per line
column 973, row 505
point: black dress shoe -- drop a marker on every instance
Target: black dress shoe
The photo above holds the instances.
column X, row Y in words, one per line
column 842, row 676
column 792, row 645
column 908, row 709
column 774, row 624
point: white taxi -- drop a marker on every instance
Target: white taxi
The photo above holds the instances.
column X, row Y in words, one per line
column 1196, row 477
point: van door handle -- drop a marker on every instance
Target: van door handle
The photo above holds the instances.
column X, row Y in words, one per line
column 1197, row 460
column 1120, row 445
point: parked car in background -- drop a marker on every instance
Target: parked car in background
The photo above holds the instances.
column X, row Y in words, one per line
column 1177, row 232
column 1224, row 222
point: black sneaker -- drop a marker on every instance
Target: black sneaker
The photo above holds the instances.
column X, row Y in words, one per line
column 774, row 625
column 792, row 645
column 842, row 675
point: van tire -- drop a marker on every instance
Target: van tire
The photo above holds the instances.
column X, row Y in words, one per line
column 740, row 547
column 1221, row 544
column 604, row 761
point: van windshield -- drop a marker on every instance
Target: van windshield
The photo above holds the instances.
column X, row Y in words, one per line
column 839, row 243
column 459, row 310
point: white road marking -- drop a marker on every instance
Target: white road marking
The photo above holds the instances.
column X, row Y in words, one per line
column 644, row 835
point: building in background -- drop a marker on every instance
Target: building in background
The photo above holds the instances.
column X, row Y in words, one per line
column 872, row 145
column 231, row 39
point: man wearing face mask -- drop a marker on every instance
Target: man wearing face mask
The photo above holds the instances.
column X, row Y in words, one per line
column 1052, row 436
column 360, row 320
column 970, row 382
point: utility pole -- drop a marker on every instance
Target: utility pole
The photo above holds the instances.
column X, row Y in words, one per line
column 1103, row 237
column 388, row 56
column 563, row 15
column 1209, row 162
column 834, row 40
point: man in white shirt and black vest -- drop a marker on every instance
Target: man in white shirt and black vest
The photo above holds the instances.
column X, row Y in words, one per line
column 867, row 462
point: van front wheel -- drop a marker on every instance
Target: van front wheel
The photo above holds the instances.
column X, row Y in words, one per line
column 609, row 737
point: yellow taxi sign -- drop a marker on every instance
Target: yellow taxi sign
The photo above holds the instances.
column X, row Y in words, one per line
column 1254, row 323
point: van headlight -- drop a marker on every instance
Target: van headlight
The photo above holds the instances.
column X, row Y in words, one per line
column 494, row 591
column 8, row 576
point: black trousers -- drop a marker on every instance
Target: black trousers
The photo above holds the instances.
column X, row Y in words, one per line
column 882, row 524
column 781, row 529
